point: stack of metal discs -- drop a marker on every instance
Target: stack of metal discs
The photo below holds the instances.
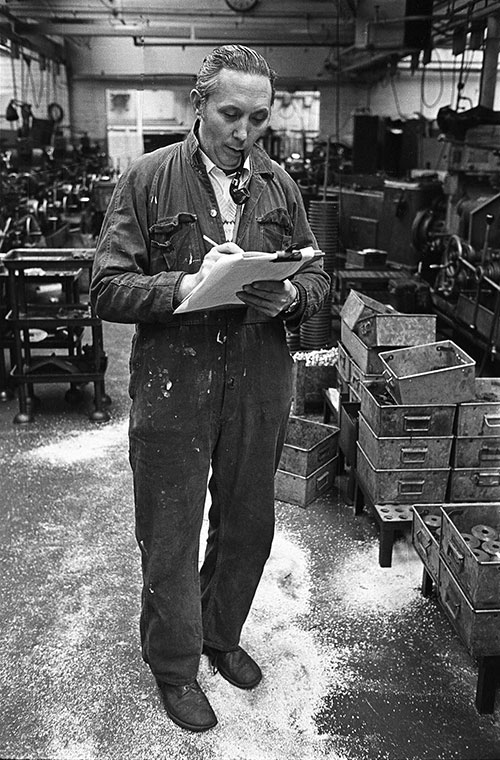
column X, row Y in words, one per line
column 324, row 220
column 292, row 340
column 323, row 217
column 317, row 331
column 484, row 543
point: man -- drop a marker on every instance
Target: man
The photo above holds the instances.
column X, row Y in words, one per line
column 209, row 389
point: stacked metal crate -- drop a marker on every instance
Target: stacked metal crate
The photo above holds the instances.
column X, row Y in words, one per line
column 459, row 545
column 384, row 442
column 414, row 466
column 475, row 473
column 308, row 462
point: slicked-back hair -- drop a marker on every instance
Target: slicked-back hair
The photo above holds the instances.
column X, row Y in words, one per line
column 235, row 58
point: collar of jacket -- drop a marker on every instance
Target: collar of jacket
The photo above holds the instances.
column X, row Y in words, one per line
column 261, row 163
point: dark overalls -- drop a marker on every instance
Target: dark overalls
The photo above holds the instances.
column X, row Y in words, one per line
column 208, row 389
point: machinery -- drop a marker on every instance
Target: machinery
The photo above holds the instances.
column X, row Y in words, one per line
column 458, row 238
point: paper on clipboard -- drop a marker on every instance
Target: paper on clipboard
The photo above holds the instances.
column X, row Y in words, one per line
column 232, row 271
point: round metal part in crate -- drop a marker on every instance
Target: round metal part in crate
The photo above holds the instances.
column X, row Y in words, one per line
column 394, row 512
column 484, row 532
column 481, row 556
column 492, row 548
column 471, row 541
column 433, row 522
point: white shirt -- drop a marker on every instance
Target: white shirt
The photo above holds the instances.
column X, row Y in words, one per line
column 221, row 182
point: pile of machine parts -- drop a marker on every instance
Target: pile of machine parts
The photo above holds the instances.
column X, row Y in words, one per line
column 49, row 187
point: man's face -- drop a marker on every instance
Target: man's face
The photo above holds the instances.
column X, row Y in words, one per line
column 234, row 116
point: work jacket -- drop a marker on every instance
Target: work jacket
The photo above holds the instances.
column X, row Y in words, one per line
column 153, row 233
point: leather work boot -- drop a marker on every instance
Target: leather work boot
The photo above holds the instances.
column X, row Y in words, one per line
column 187, row 706
column 236, row 666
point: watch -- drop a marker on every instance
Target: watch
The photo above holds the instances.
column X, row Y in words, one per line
column 241, row 5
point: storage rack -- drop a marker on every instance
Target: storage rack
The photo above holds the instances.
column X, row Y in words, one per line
column 60, row 324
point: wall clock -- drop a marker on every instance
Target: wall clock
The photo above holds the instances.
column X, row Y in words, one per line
column 241, row 5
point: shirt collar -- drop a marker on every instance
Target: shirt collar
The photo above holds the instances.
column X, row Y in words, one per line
column 209, row 164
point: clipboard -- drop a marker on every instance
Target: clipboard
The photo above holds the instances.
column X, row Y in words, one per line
column 218, row 289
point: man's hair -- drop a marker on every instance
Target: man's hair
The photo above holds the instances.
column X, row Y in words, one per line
column 236, row 58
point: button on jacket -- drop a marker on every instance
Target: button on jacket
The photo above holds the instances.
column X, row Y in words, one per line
column 211, row 392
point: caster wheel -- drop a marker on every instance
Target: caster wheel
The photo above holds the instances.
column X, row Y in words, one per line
column 22, row 418
column 99, row 415
column 73, row 396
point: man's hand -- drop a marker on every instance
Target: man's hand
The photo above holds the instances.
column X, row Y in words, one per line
column 269, row 296
column 189, row 281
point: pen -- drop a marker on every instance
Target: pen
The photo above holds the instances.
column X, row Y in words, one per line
column 209, row 240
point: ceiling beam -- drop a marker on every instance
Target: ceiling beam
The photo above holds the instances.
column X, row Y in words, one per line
column 201, row 32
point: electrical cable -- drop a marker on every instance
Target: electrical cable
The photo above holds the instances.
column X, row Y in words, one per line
column 395, row 95
column 441, row 85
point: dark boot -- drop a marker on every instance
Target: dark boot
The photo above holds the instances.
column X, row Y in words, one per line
column 187, row 706
column 236, row 666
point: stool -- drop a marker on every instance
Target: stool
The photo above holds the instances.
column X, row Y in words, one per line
column 390, row 518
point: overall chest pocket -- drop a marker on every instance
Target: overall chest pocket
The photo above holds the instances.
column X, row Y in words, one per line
column 275, row 229
column 173, row 244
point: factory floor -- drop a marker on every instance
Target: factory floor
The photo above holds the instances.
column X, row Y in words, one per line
column 357, row 664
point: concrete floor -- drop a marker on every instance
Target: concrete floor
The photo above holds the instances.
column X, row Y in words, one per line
column 358, row 665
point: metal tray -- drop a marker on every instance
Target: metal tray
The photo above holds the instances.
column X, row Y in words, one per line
column 430, row 373
column 397, row 329
column 478, row 629
column 478, row 579
column 481, row 415
column 416, row 452
column 397, row 486
column 386, row 417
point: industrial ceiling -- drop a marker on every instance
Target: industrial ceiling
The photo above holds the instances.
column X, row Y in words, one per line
column 365, row 34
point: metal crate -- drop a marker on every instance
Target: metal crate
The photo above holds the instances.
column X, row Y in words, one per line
column 398, row 486
column 308, row 445
column 481, row 415
column 397, row 329
column 394, row 452
column 386, row 417
column 474, row 484
column 429, row 374
column 366, row 358
column 358, row 305
column 467, row 529
column 478, row 629
column 426, row 530
column 300, row 490
column 479, row 451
